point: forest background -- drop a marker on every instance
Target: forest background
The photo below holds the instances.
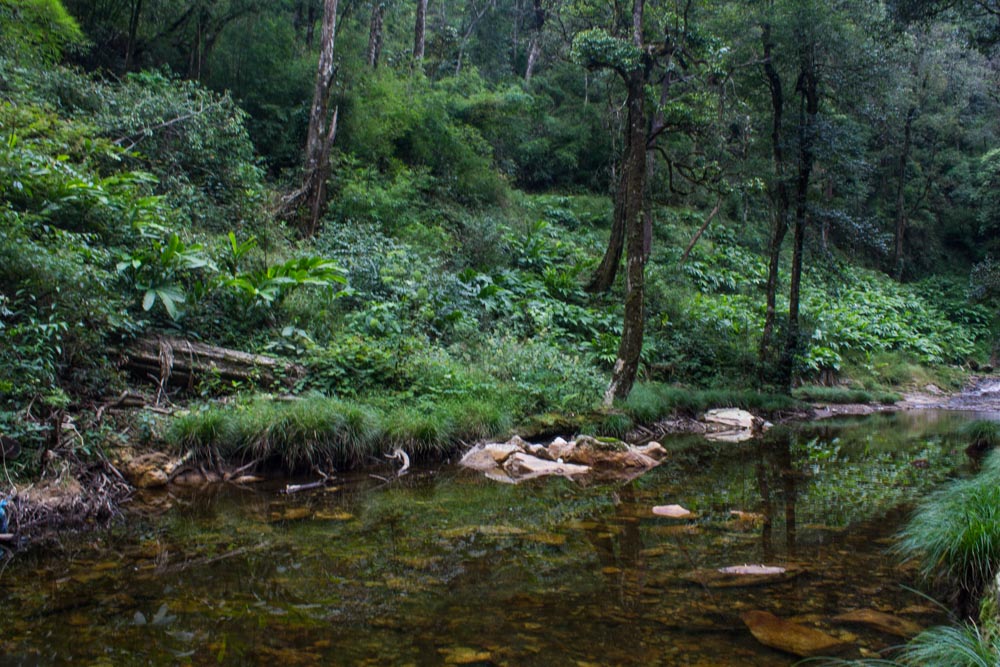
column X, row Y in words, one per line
column 460, row 218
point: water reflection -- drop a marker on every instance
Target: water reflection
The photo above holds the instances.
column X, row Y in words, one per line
column 444, row 566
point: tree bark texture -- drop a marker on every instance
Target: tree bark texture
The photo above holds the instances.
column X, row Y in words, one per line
column 604, row 275
column 808, row 90
column 626, row 366
column 419, row 31
column 375, row 34
column 309, row 201
column 535, row 43
column 779, row 222
column 181, row 363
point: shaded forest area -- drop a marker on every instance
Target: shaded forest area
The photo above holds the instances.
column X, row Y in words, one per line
column 441, row 221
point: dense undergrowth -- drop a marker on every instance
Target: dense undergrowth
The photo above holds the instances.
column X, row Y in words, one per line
column 442, row 299
column 422, row 320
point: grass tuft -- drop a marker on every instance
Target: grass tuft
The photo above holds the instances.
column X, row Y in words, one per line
column 954, row 536
column 842, row 395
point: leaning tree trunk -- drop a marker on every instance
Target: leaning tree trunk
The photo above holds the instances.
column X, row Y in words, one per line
column 307, row 203
column 626, row 366
column 419, row 31
column 604, row 275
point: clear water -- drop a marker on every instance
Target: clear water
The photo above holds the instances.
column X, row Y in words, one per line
column 444, row 567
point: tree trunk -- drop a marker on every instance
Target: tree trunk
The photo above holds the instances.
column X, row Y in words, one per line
column 904, row 156
column 535, row 45
column 133, row 29
column 375, row 34
column 309, row 201
column 419, row 30
column 626, row 366
column 310, row 24
column 808, row 108
column 604, row 275
column 779, row 222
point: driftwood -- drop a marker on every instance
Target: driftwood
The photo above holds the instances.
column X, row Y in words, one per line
column 180, row 363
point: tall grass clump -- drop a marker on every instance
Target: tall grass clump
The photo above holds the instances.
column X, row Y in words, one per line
column 842, row 395
column 954, row 537
column 962, row 646
column 982, row 435
column 650, row 402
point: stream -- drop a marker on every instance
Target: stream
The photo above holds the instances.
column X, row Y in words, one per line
column 446, row 567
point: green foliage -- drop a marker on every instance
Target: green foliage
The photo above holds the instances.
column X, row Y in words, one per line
column 595, row 48
column 37, row 30
column 397, row 123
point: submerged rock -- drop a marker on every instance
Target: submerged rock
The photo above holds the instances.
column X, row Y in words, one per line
column 790, row 637
column 887, row 623
column 672, row 511
column 740, row 576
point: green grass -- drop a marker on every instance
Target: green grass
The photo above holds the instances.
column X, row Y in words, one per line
column 651, row 402
column 941, row 646
column 954, row 536
column 982, row 434
column 841, row 395
column 296, row 434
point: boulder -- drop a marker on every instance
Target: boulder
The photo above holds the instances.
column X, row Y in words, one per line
column 524, row 466
column 614, row 455
column 790, row 637
column 151, row 470
column 732, row 418
column 560, row 449
column 516, row 460
column 478, row 458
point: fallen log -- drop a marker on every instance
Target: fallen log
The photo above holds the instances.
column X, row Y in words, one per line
column 179, row 362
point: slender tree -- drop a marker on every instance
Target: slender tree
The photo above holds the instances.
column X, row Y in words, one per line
column 672, row 62
column 419, row 32
column 308, row 202
column 375, row 33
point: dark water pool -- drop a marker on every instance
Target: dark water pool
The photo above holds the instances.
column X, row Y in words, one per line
column 444, row 567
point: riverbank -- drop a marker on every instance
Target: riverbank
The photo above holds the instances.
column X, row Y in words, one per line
column 244, row 440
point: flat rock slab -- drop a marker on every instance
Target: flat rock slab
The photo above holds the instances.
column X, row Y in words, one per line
column 672, row 511
column 791, row 637
column 887, row 623
column 741, row 576
column 732, row 417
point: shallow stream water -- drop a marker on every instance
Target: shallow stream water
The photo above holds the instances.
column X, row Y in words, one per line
column 445, row 567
